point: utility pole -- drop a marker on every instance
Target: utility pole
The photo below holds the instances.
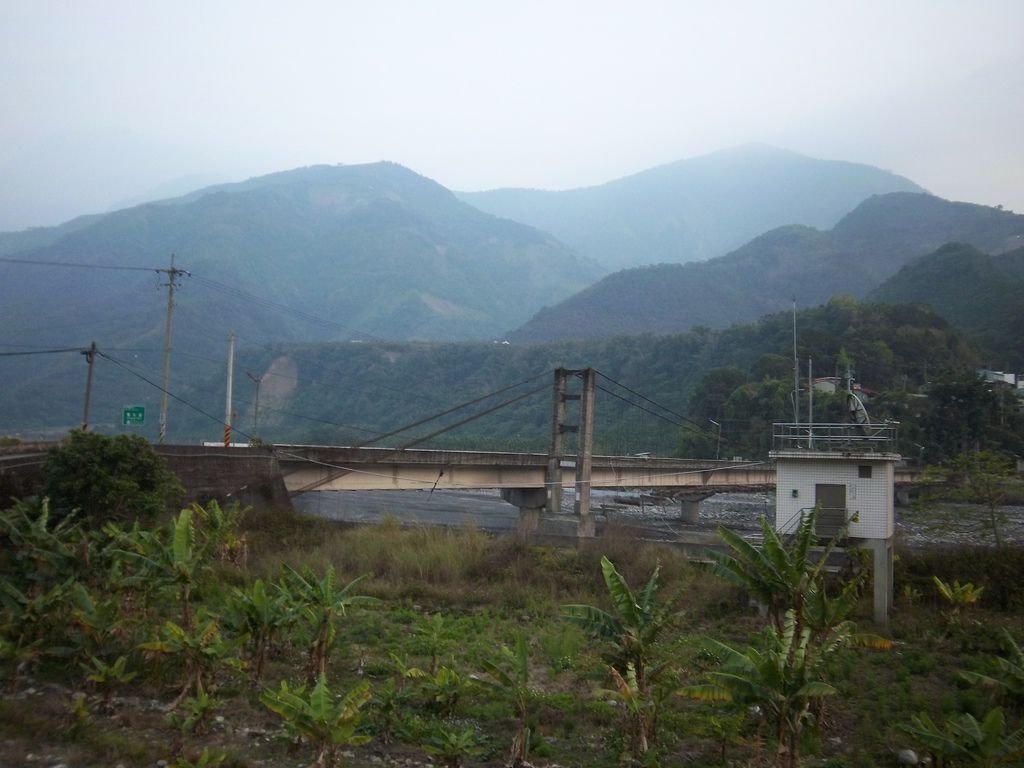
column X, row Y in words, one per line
column 172, row 282
column 256, row 405
column 90, row 358
column 227, row 409
column 718, row 443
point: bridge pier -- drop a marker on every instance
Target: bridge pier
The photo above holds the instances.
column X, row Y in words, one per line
column 689, row 506
column 530, row 502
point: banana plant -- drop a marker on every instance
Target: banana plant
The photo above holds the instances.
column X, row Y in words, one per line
column 40, row 550
column 639, row 709
column 202, row 651
column 785, row 679
column 436, row 635
column 29, row 624
column 452, row 746
column 512, row 677
column 260, row 614
column 219, row 530
column 322, row 602
column 632, row 629
column 776, row 575
column 106, row 676
column 1008, row 673
column 964, row 739
column 99, row 622
column 319, row 718
column 179, row 562
column 444, row 690
column 959, row 597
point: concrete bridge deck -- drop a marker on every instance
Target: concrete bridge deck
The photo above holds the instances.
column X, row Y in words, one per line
column 327, row 468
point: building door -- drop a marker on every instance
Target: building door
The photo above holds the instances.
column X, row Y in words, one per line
column 831, row 502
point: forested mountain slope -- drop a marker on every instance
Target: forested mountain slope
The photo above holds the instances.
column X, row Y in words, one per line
column 981, row 295
column 768, row 273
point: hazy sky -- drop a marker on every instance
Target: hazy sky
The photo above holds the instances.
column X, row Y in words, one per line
column 104, row 102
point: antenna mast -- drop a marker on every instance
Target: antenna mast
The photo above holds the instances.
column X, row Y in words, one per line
column 796, row 373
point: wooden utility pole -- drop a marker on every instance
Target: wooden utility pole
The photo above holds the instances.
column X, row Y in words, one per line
column 90, row 358
column 173, row 274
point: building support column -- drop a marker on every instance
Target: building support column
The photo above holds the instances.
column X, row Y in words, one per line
column 882, row 577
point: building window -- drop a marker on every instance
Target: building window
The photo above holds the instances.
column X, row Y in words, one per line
column 864, row 471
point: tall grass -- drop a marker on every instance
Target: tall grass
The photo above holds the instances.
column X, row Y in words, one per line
column 464, row 565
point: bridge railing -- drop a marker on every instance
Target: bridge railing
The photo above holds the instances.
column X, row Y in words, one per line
column 838, row 438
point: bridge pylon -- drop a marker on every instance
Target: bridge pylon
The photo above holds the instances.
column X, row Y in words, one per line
column 584, row 429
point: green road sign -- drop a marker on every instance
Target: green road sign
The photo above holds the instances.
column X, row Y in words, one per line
column 133, row 415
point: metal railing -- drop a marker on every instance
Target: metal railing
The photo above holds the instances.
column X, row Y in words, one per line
column 831, row 522
column 835, row 438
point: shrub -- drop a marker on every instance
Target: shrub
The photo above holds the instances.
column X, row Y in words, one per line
column 109, row 478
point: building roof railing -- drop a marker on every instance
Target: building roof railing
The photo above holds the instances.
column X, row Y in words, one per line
column 836, row 438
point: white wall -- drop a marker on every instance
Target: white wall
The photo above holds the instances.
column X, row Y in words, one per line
column 871, row 499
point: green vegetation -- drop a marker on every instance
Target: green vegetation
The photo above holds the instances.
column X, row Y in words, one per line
column 162, row 618
column 990, row 313
column 866, row 247
column 109, row 478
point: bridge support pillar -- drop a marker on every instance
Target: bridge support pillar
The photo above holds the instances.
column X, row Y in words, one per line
column 530, row 502
column 903, row 496
column 689, row 506
column 689, row 511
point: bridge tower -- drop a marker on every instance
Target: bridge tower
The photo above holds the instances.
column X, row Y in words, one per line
column 846, row 471
column 584, row 429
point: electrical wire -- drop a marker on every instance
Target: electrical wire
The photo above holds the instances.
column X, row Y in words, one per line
column 80, row 265
column 42, row 351
column 183, row 401
column 459, row 407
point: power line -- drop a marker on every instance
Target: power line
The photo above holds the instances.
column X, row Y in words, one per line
column 40, row 351
column 181, row 400
column 642, row 397
column 459, row 407
column 78, row 265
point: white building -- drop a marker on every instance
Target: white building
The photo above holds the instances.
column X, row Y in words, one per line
column 846, row 471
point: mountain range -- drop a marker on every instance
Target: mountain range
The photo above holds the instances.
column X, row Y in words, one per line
column 789, row 263
column 376, row 252
column 694, row 209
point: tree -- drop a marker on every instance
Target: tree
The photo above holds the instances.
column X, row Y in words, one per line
column 109, row 478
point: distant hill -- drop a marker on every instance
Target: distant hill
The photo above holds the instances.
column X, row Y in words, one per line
column 979, row 294
column 694, row 209
column 355, row 252
column 765, row 275
column 377, row 249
